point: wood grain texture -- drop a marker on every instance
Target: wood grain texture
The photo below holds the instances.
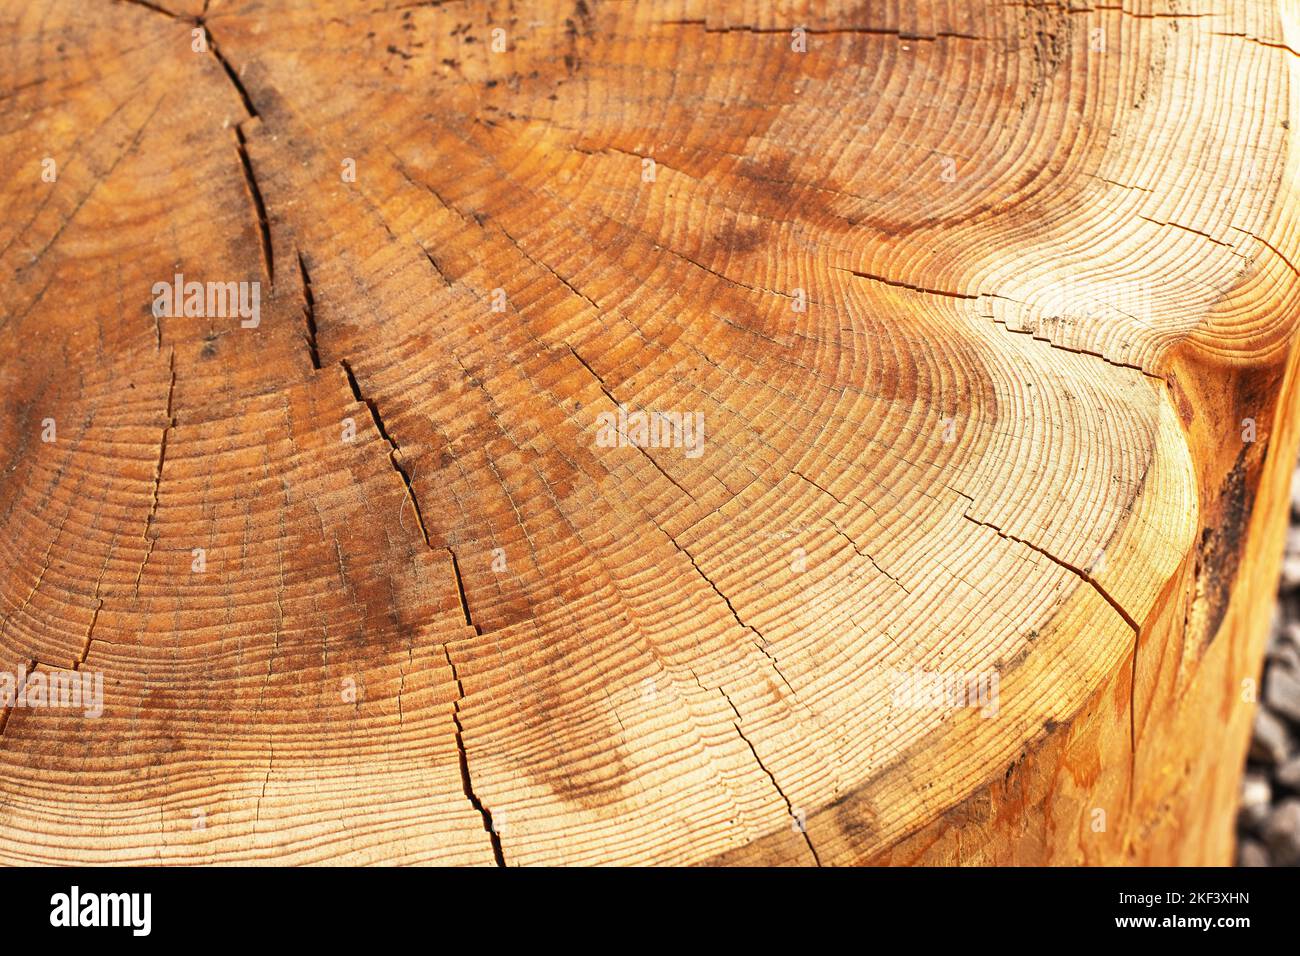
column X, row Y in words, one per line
column 1045, row 255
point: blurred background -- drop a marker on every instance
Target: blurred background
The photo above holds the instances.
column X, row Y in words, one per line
column 1268, row 822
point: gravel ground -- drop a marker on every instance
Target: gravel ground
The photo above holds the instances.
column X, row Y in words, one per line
column 1268, row 822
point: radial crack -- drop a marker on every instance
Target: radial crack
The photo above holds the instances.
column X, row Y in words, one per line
column 1080, row 351
column 90, row 631
column 862, row 554
column 156, row 8
column 1079, row 572
column 823, row 31
column 158, row 470
column 1271, row 44
column 762, row 641
column 803, row 830
column 542, row 265
column 1274, row 249
column 99, row 605
column 907, row 285
column 1195, row 232
column 436, row 268
column 235, row 81
column 460, row 591
column 610, row 395
column 259, row 206
column 18, row 690
column 393, row 448
column 309, row 312
column 467, row 784
column 1132, row 720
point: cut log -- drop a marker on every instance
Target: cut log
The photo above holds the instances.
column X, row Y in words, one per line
column 657, row 432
